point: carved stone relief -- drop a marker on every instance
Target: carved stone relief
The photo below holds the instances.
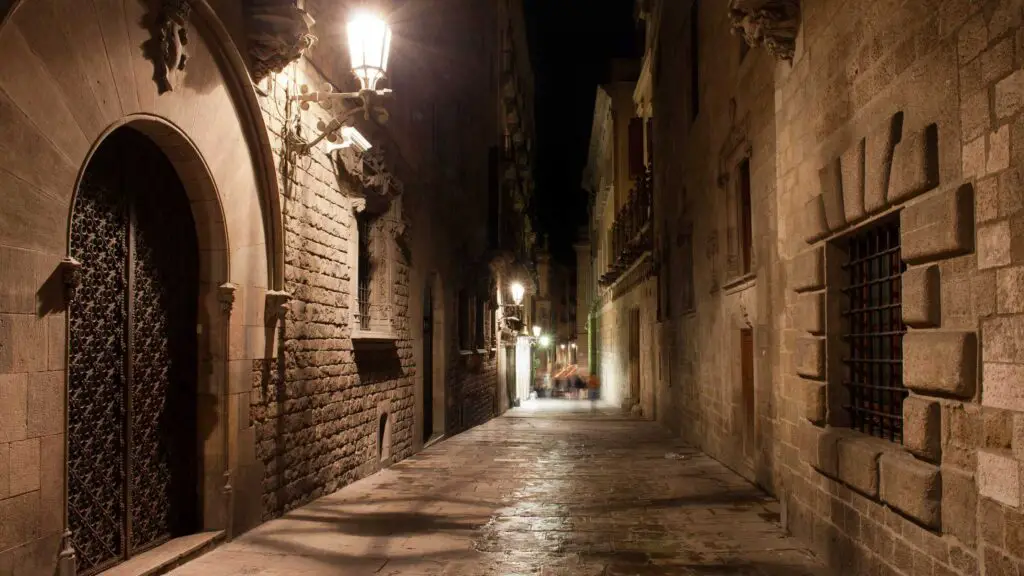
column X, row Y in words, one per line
column 172, row 34
column 771, row 23
column 279, row 33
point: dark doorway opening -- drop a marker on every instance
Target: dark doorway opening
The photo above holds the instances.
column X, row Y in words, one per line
column 132, row 441
column 747, row 385
column 428, row 362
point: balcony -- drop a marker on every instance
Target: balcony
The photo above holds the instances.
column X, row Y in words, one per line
column 631, row 234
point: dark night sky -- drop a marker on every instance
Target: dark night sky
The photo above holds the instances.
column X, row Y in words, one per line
column 571, row 42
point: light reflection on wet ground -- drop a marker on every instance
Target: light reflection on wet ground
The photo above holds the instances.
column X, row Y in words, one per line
column 549, row 489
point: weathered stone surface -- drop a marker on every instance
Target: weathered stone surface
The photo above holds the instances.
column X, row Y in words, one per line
column 5, row 470
column 1004, row 339
column 13, row 406
column 940, row 363
column 814, row 403
column 807, row 270
column 1009, row 95
column 19, row 519
column 922, row 297
column 997, row 429
column 45, row 403
column 858, row 463
column 999, row 477
column 878, row 163
column 852, row 166
column 810, row 357
column 912, row 487
column 922, row 427
column 959, row 505
column 810, row 313
column 915, row 165
column 1010, row 290
column 24, row 466
column 826, row 457
column 831, row 179
column 815, row 222
column 29, row 333
column 1018, row 436
column 938, row 227
column 994, row 245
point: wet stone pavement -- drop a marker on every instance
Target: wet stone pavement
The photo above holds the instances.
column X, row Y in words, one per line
column 548, row 489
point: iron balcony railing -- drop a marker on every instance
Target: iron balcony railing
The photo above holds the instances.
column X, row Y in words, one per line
column 631, row 231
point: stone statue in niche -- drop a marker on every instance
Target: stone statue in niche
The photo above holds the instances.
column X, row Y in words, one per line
column 172, row 24
column 771, row 23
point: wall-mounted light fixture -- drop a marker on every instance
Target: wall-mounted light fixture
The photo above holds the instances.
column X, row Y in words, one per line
column 369, row 44
column 350, row 138
column 518, row 291
column 536, row 331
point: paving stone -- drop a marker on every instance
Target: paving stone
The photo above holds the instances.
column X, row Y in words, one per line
column 545, row 489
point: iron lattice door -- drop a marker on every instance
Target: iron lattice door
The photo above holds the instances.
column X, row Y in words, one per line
column 132, row 356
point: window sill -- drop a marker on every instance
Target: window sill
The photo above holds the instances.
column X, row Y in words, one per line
column 740, row 283
column 373, row 336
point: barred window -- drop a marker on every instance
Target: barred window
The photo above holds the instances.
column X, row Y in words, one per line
column 873, row 330
column 364, row 271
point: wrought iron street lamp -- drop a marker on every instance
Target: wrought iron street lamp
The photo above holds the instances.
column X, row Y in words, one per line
column 369, row 44
column 518, row 291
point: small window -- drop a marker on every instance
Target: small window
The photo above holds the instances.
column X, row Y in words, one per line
column 873, row 330
column 364, row 271
column 745, row 218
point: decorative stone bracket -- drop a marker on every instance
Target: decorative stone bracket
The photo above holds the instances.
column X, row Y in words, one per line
column 370, row 170
column 771, row 23
column 226, row 296
column 172, row 33
column 277, row 304
column 70, row 272
column 279, row 33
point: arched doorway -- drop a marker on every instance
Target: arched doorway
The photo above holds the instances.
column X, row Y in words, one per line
column 132, row 371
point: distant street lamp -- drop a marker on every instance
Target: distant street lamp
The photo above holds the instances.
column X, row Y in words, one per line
column 536, row 331
column 545, row 340
column 369, row 44
column 518, row 291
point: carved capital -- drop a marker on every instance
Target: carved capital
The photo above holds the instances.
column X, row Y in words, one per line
column 226, row 296
column 769, row 23
column 277, row 304
column 71, row 276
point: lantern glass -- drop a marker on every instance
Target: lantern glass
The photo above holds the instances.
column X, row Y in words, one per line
column 369, row 42
column 518, row 291
column 536, row 331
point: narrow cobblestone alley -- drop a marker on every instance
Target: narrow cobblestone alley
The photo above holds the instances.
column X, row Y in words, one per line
column 546, row 489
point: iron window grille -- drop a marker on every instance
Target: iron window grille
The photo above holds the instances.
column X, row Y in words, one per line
column 364, row 275
column 873, row 331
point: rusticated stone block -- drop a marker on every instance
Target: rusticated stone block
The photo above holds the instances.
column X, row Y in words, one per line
column 810, row 313
column 815, row 223
column 807, row 270
column 922, row 296
column 940, row 363
column 852, row 166
column 922, row 427
column 959, row 505
column 858, row 463
column 878, row 163
column 912, row 487
column 831, row 178
column 1004, row 339
column 915, row 165
column 814, row 402
column 938, row 227
column 826, row 457
column 810, row 357
column 999, row 477
column 1018, row 436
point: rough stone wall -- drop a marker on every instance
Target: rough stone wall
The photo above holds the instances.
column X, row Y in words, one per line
column 696, row 159
column 473, row 385
column 613, row 334
column 317, row 408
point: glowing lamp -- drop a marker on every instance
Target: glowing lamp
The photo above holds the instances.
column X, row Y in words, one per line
column 545, row 341
column 536, row 331
column 369, row 42
column 518, row 291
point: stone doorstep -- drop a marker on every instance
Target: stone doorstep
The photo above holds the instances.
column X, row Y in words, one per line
column 166, row 557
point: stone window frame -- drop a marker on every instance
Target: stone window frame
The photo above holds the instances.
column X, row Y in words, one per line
column 384, row 226
column 881, row 175
column 738, row 152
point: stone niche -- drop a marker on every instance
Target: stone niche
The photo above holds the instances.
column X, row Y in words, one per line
column 886, row 175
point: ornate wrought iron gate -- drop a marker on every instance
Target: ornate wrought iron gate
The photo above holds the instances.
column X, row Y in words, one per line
column 132, row 356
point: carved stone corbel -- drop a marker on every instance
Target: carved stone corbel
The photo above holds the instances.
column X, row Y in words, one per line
column 172, row 27
column 277, row 304
column 771, row 23
column 279, row 33
column 226, row 297
column 71, row 276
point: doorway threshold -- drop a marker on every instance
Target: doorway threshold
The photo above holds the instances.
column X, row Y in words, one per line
column 166, row 557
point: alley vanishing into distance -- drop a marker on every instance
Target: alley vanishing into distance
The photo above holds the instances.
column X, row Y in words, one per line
column 547, row 489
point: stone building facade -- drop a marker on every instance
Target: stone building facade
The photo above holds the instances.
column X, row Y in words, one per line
column 296, row 318
column 624, row 306
column 837, row 207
